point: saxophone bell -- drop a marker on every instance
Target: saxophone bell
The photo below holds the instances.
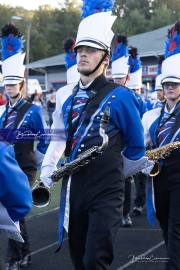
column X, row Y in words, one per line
column 41, row 195
column 156, row 169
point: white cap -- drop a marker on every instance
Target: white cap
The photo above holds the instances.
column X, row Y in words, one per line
column 135, row 81
column 95, row 31
column 120, row 67
column 72, row 74
column 170, row 69
column 158, row 84
column 13, row 69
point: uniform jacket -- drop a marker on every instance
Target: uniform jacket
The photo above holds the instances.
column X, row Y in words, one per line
column 103, row 175
column 142, row 105
column 15, row 194
column 166, row 135
column 124, row 120
column 32, row 123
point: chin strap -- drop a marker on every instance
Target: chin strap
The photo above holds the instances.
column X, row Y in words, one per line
column 16, row 95
column 174, row 99
column 103, row 58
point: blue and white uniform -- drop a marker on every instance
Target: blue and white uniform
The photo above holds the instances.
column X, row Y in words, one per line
column 149, row 104
column 22, row 124
column 158, row 104
column 150, row 122
column 15, row 194
column 142, row 105
column 163, row 190
column 104, row 174
column 32, row 121
column 120, row 101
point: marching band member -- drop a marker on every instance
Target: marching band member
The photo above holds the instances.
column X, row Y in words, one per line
column 17, row 118
column 135, row 83
column 158, row 86
column 161, row 127
column 120, row 75
column 15, row 195
column 91, row 199
column 70, row 60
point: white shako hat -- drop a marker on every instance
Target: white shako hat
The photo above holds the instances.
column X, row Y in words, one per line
column 158, row 84
column 12, row 43
column 119, row 66
column 170, row 66
column 72, row 74
column 70, row 59
column 95, row 28
column 134, row 62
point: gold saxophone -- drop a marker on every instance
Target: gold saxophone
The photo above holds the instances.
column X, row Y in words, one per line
column 160, row 153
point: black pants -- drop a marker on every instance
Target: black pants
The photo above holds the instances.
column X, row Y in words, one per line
column 127, row 196
column 167, row 204
column 140, row 184
column 2, row 263
column 96, row 200
column 17, row 250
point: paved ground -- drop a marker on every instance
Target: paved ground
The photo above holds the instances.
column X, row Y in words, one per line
column 141, row 242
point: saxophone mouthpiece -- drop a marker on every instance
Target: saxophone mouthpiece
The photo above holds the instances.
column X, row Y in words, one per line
column 105, row 118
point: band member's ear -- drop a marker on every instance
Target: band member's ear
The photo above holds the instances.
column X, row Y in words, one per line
column 106, row 60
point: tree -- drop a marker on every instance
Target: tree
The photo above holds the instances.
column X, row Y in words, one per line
column 172, row 5
column 51, row 26
column 162, row 16
column 133, row 16
column 123, row 8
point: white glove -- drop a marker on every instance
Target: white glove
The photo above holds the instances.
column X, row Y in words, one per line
column 44, row 177
column 148, row 169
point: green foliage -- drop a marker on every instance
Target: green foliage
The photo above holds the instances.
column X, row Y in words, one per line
column 139, row 23
column 162, row 16
column 51, row 26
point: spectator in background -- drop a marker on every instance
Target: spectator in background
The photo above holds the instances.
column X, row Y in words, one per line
column 37, row 101
column 51, row 90
column 33, row 95
column 43, row 101
column 28, row 98
column 51, row 104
